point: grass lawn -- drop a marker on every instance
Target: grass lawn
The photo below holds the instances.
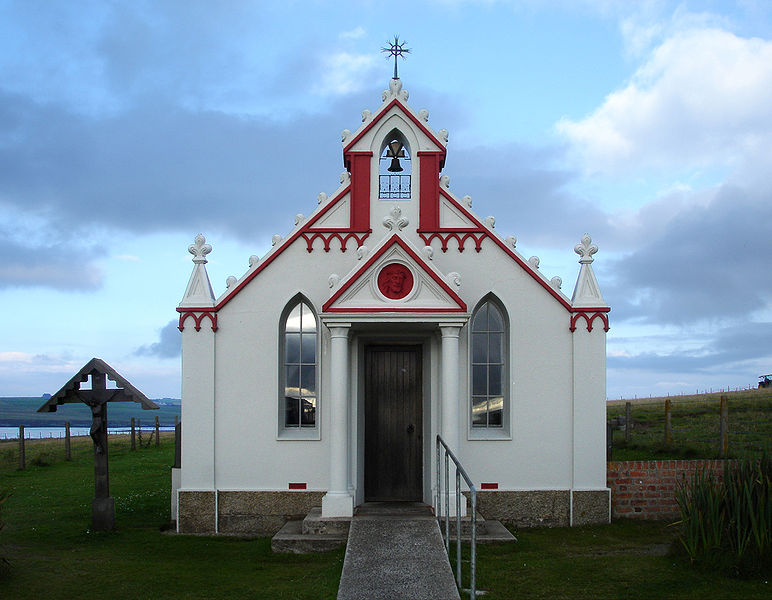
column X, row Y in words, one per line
column 53, row 555
column 695, row 426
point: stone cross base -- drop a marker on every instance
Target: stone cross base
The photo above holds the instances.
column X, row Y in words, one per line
column 103, row 514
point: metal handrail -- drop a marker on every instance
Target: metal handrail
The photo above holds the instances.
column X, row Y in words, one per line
column 460, row 472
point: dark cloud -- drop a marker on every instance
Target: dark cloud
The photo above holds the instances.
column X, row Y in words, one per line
column 709, row 262
column 168, row 346
column 160, row 167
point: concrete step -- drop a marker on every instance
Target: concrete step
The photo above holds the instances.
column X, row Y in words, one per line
column 314, row 524
column 466, row 525
column 494, row 532
column 290, row 539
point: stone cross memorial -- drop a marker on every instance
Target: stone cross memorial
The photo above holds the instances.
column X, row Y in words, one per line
column 103, row 506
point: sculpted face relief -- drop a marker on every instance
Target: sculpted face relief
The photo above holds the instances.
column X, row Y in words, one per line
column 395, row 281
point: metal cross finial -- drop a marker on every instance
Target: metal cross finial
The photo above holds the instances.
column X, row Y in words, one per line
column 396, row 49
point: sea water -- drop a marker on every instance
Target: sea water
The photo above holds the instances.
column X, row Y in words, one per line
column 35, row 433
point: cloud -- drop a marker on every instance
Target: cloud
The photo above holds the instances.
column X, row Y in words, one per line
column 345, row 73
column 739, row 346
column 703, row 98
column 59, row 266
column 168, row 346
column 518, row 185
column 353, row 34
column 709, row 262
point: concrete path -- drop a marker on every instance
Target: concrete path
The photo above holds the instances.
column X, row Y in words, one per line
column 395, row 552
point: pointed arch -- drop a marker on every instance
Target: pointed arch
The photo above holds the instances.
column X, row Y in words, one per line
column 299, row 347
column 489, row 367
column 394, row 151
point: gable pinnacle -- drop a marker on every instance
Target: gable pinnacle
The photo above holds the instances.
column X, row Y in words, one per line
column 396, row 49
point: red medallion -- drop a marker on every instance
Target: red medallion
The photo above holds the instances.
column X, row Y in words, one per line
column 395, row 281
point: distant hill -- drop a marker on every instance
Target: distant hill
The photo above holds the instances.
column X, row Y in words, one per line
column 23, row 411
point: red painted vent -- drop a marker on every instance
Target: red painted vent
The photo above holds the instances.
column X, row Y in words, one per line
column 489, row 486
column 297, row 486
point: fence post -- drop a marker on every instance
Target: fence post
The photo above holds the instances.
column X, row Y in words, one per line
column 724, row 427
column 67, row 446
column 133, row 435
column 22, row 457
column 609, row 440
column 668, row 423
column 628, row 420
column 157, row 433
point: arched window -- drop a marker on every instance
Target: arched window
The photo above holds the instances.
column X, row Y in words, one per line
column 394, row 168
column 489, row 366
column 298, row 368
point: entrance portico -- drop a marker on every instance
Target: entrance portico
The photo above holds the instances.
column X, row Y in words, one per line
column 426, row 349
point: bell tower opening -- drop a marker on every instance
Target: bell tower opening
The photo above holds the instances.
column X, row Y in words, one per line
column 394, row 168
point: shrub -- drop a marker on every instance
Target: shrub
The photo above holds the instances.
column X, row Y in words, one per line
column 728, row 524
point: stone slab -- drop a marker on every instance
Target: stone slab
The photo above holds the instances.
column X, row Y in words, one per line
column 495, row 532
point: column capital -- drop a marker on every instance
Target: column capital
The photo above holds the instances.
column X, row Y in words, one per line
column 450, row 330
column 338, row 329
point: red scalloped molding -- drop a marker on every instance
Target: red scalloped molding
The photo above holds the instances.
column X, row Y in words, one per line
column 460, row 235
column 197, row 318
column 328, row 235
column 589, row 319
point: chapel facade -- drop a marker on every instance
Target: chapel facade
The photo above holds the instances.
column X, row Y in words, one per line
column 391, row 314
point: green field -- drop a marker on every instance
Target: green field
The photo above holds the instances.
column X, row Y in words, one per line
column 23, row 411
column 695, row 426
column 52, row 554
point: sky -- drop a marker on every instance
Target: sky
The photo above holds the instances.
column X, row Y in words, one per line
column 128, row 127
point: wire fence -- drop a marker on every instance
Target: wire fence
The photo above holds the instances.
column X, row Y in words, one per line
column 700, row 426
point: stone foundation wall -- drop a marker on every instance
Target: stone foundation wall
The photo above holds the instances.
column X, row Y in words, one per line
column 645, row 489
column 544, row 508
column 243, row 512
column 263, row 513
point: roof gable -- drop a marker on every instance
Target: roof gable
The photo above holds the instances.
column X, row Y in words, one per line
column 420, row 287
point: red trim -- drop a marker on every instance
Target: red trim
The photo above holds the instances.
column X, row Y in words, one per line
column 305, row 229
column 429, row 195
column 327, row 235
column 395, row 310
column 500, row 243
column 489, row 486
column 297, row 486
column 600, row 313
column 327, row 207
column 395, row 239
column 444, row 235
column 380, row 115
column 360, row 189
column 191, row 312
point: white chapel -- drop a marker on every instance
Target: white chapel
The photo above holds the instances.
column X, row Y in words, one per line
column 390, row 315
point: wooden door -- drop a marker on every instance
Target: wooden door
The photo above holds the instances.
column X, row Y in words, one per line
column 393, row 424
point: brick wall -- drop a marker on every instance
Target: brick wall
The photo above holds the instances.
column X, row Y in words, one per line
column 645, row 489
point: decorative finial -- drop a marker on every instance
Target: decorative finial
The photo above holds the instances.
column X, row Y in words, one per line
column 585, row 250
column 396, row 49
column 199, row 249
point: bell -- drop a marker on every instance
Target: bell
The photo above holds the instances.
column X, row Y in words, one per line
column 395, row 167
